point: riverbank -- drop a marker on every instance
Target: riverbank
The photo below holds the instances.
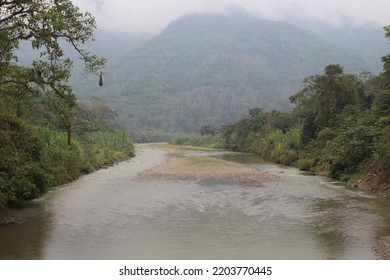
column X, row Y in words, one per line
column 42, row 159
column 373, row 182
column 294, row 217
column 192, row 163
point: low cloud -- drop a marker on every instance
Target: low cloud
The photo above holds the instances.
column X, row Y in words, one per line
column 151, row 16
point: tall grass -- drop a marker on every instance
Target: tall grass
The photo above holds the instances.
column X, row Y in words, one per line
column 33, row 159
column 116, row 141
column 279, row 147
column 64, row 162
column 102, row 148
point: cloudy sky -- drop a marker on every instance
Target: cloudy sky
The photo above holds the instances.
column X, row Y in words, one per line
column 152, row 16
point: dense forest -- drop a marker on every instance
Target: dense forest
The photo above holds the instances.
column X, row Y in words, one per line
column 340, row 126
column 47, row 138
column 212, row 69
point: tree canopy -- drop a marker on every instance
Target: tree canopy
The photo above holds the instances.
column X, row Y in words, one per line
column 47, row 25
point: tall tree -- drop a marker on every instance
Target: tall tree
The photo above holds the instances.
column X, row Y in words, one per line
column 47, row 25
column 324, row 97
column 386, row 59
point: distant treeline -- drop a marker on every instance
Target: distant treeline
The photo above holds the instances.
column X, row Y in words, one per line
column 340, row 126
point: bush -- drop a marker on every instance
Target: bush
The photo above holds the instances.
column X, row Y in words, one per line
column 279, row 147
column 64, row 160
column 23, row 163
column 207, row 141
column 3, row 203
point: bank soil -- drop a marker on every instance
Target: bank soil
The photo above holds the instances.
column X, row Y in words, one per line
column 382, row 248
column 193, row 164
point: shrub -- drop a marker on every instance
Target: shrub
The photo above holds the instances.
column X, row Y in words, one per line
column 64, row 160
column 207, row 141
column 23, row 163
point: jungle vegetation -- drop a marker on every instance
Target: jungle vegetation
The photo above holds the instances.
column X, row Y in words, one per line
column 339, row 126
column 46, row 137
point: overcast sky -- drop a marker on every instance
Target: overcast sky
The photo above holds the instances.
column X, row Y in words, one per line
column 152, row 16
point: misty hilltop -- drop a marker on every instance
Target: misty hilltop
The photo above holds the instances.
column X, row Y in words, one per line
column 210, row 69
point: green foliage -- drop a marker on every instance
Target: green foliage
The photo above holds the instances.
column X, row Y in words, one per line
column 3, row 204
column 382, row 103
column 324, row 97
column 36, row 102
column 63, row 159
column 102, row 148
column 340, row 126
column 382, row 153
column 207, row 130
column 207, row 141
column 46, row 25
column 279, row 147
column 22, row 162
column 210, row 69
column 34, row 159
column 153, row 136
column 386, row 59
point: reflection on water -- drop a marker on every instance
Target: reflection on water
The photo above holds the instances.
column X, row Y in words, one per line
column 329, row 226
column 26, row 238
column 110, row 215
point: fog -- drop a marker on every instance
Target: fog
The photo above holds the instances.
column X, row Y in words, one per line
column 151, row 16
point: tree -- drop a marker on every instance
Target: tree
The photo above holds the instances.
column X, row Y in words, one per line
column 207, row 130
column 94, row 115
column 47, row 25
column 324, row 97
column 386, row 59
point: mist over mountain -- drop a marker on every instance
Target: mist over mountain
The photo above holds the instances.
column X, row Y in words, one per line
column 365, row 39
column 113, row 45
column 210, row 69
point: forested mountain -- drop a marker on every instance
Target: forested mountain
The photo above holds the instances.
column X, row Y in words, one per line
column 365, row 39
column 213, row 68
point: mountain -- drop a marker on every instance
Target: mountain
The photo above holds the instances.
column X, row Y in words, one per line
column 210, row 69
column 114, row 44
column 366, row 38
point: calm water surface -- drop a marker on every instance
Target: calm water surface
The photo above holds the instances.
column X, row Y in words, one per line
column 109, row 215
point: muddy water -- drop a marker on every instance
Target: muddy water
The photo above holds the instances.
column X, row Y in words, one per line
column 109, row 215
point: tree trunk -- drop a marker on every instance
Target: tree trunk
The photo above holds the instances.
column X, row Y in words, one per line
column 69, row 133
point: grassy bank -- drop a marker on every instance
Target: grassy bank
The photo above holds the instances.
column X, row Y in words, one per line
column 34, row 158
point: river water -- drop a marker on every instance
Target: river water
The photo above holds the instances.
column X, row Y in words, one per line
column 110, row 215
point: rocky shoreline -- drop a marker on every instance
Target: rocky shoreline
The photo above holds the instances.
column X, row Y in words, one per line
column 382, row 248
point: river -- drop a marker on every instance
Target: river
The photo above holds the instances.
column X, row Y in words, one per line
column 110, row 215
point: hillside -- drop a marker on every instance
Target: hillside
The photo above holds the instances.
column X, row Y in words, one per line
column 366, row 39
column 213, row 68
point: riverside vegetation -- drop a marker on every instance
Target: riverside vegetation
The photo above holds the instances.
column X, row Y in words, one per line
column 46, row 137
column 340, row 127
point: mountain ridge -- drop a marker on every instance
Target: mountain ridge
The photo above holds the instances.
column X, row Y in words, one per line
column 213, row 68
